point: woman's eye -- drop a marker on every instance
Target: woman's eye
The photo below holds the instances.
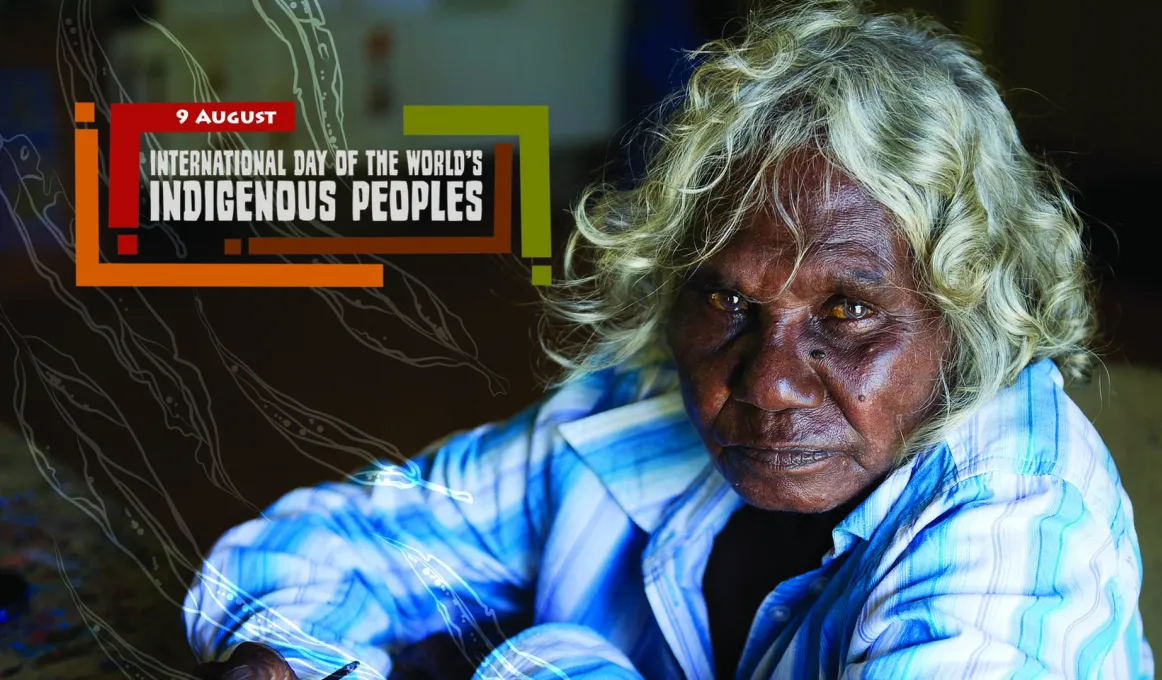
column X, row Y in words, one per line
column 729, row 302
column 849, row 310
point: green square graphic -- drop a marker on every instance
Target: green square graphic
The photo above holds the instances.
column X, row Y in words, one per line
column 530, row 125
column 542, row 275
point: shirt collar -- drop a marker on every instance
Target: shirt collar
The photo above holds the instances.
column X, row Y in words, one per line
column 646, row 454
column 862, row 522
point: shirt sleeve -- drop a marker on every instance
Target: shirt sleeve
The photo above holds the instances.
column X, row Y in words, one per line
column 347, row 571
column 552, row 651
column 1014, row 576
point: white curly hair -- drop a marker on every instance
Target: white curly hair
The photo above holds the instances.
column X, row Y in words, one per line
column 907, row 111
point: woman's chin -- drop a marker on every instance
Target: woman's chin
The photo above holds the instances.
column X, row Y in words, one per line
column 805, row 486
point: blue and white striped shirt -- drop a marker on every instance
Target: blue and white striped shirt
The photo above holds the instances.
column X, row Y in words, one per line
column 1007, row 552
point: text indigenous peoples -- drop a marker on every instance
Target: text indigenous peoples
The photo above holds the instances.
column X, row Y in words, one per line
column 438, row 187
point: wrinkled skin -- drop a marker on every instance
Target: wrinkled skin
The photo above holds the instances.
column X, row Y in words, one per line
column 803, row 396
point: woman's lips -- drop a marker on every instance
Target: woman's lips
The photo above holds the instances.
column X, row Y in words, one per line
column 782, row 458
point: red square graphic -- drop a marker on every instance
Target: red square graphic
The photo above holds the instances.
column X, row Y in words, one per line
column 127, row 244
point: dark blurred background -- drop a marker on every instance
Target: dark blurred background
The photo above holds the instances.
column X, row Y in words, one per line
column 1079, row 76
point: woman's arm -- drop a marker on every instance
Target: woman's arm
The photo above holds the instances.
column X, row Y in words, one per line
column 1012, row 576
column 355, row 571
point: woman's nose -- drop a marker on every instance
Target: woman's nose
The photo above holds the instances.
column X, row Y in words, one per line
column 780, row 376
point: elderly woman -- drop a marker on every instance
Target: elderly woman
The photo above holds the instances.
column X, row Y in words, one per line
column 815, row 426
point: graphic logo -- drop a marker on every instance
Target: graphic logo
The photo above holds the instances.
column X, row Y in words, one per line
column 530, row 124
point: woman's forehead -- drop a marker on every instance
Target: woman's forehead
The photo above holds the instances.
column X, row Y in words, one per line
column 824, row 216
column 828, row 232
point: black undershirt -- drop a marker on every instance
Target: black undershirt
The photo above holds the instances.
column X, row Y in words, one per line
column 756, row 551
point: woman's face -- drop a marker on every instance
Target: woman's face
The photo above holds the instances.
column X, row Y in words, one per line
column 804, row 394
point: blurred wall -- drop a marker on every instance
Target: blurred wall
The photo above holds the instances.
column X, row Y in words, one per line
column 1081, row 80
column 565, row 55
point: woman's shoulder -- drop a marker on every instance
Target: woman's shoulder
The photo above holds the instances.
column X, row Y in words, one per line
column 1032, row 430
column 1028, row 464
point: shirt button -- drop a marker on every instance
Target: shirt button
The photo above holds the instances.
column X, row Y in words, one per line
column 780, row 613
column 818, row 585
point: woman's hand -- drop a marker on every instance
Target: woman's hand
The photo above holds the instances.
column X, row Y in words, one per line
column 249, row 661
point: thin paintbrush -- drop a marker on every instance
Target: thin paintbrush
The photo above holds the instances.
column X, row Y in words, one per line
column 343, row 672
